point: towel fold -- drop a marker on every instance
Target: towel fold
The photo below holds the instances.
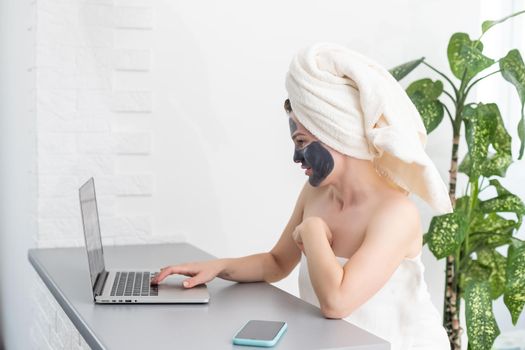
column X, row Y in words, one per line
column 354, row 105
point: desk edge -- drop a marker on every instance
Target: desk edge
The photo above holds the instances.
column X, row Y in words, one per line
column 88, row 335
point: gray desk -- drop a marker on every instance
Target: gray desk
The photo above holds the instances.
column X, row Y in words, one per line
column 185, row 326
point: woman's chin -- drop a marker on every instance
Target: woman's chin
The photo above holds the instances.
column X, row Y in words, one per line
column 314, row 182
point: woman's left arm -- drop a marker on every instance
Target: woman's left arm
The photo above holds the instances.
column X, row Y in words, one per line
column 341, row 290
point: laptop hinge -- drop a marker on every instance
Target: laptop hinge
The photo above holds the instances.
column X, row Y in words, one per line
column 99, row 283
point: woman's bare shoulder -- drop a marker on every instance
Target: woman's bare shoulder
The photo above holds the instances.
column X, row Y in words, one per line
column 397, row 210
column 395, row 222
column 396, row 205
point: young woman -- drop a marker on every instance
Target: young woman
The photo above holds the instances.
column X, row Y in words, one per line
column 354, row 229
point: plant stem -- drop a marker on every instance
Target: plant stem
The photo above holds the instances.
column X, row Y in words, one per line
column 451, row 302
column 503, row 20
column 444, row 76
column 482, row 189
column 482, row 181
column 449, row 95
column 451, row 306
column 473, row 201
column 477, row 80
column 448, row 112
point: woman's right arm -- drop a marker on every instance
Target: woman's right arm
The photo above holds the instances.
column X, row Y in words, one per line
column 271, row 266
column 286, row 253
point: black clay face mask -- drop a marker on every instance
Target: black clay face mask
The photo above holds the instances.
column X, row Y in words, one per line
column 318, row 158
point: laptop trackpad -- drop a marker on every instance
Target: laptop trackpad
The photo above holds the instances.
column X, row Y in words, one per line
column 173, row 285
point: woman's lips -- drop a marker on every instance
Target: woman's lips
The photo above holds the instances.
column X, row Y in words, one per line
column 308, row 170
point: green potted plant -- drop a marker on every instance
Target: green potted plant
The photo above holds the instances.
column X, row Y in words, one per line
column 469, row 236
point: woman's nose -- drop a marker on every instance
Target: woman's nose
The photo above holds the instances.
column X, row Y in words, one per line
column 298, row 156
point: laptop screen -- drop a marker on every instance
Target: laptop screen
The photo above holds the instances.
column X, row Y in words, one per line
column 88, row 206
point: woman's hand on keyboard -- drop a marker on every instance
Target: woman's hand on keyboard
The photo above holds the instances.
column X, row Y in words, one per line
column 200, row 272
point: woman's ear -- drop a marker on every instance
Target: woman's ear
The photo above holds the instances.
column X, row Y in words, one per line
column 287, row 106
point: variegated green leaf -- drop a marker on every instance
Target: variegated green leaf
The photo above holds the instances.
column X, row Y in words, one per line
column 486, row 25
column 521, row 132
column 480, row 124
column 499, row 187
column 482, row 328
column 401, row 71
column 426, row 89
column 513, row 70
column 488, row 231
column 425, row 238
column 505, row 203
column 446, row 233
column 475, row 272
column 503, row 193
column 497, row 264
column 496, row 164
column 501, row 141
column 465, row 54
column 484, row 126
column 424, row 94
column 462, row 204
column 431, row 113
column 514, row 296
column 465, row 165
column 489, row 239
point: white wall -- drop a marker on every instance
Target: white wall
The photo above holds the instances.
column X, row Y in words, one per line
column 176, row 109
column 17, row 170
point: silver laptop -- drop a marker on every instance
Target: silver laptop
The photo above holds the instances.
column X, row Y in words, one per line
column 126, row 286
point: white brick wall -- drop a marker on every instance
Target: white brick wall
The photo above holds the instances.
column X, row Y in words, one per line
column 133, row 17
column 52, row 329
column 93, row 65
column 125, row 59
column 78, row 61
column 132, row 101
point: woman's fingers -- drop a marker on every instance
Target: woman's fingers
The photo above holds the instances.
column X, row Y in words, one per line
column 316, row 224
column 192, row 282
column 199, row 273
column 170, row 270
column 202, row 277
column 159, row 276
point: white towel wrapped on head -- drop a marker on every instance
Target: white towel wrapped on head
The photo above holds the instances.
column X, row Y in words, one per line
column 354, row 105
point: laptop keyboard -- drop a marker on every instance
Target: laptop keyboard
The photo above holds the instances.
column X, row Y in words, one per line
column 134, row 284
